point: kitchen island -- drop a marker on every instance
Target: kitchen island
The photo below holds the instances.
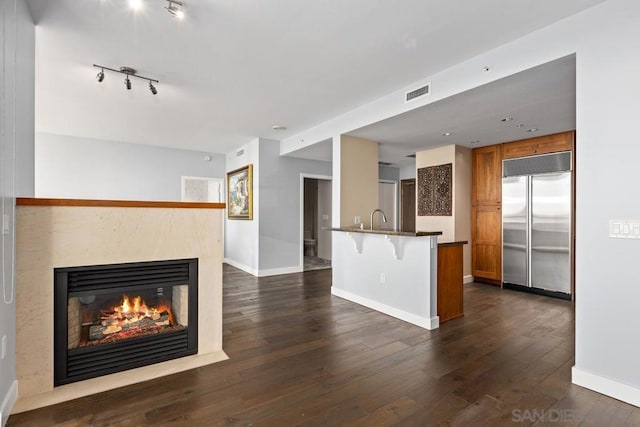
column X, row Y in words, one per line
column 389, row 271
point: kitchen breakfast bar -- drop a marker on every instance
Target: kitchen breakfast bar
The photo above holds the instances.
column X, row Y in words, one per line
column 393, row 272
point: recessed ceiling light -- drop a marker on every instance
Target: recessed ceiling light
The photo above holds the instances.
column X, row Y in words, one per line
column 278, row 127
column 446, row 134
column 532, row 130
column 506, row 119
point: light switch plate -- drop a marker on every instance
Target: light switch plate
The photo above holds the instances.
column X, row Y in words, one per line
column 5, row 224
column 624, row 229
column 357, row 219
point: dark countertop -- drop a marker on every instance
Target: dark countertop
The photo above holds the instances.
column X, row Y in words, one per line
column 388, row 232
column 457, row 243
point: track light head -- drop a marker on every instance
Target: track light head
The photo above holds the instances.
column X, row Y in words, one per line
column 127, row 83
column 152, row 88
column 174, row 10
column 100, row 76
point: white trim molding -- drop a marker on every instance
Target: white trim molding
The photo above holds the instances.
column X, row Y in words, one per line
column 467, row 279
column 263, row 273
column 8, row 402
column 607, row 386
column 423, row 322
column 279, row 271
column 242, row 267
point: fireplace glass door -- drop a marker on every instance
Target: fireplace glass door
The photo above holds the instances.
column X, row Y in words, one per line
column 107, row 318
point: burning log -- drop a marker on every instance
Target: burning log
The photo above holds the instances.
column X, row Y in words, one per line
column 111, row 325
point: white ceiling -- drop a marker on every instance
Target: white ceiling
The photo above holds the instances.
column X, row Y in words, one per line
column 233, row 69
column 543, row 98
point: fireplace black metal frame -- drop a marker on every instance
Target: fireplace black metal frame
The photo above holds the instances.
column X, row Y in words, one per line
column 71, row 365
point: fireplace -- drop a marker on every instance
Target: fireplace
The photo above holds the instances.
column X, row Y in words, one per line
column 111, row 318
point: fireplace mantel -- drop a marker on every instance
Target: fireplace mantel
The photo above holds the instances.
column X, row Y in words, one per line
column 60, row 233
column 29, row 201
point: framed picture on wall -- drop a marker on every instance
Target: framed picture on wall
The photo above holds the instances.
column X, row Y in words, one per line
column 240, row 193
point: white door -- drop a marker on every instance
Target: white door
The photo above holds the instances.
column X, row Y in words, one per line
column 388, row 202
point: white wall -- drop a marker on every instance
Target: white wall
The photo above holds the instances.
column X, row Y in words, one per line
column 271, row 243
column 606, row 40
column 408, row 171
column 607, row 291
column 280, row 239
column 84, row 168
column 390, row 173
column 241, row 236
column 16, row 166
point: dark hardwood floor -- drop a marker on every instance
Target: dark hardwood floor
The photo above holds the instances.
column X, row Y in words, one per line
column 300, row 356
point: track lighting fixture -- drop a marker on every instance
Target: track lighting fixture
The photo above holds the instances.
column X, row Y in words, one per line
column 135, row 4
column 174, row 10
column 128, row 72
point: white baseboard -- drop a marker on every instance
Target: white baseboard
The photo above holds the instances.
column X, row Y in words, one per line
column 467, row 279
column 8, row 402
column 263, row 273
column 279, row 271
column 609, row 387
column 242, row 267
column 424, row 322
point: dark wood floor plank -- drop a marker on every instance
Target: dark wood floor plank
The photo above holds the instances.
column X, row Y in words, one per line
column 299, row 356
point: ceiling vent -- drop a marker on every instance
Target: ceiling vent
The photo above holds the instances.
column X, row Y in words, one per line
column 239, row 152
column 417, row 93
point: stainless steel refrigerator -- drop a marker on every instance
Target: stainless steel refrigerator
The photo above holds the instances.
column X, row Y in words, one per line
column 537, row 215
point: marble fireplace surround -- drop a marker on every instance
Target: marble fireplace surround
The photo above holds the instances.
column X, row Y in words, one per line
column 64, row 233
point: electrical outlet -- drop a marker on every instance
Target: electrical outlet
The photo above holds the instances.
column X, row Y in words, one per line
column 383, row 278
column 5, row 224
column 4, row 346
column 357, row 219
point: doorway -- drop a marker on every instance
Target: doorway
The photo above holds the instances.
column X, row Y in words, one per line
column 202, row 189
column 408, row 205
column 316, row 223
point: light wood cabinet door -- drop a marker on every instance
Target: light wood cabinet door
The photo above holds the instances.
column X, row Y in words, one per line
column 540, row 145
column 487, row 176
column 486, row 251
column 450, row 287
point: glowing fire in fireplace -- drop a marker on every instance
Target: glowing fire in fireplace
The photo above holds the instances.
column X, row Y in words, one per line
column 131, row 316
column 131, row 311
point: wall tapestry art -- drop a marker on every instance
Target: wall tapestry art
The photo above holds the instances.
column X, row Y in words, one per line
column 434, row 190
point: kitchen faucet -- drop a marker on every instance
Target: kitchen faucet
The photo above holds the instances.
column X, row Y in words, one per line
column 384, row 217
